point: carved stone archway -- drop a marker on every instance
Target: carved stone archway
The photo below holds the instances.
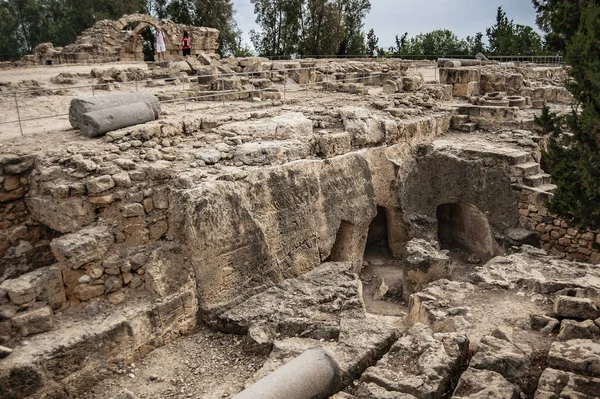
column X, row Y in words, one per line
column 108, row 41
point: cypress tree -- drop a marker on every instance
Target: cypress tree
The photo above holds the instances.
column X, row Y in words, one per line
column 574, row 154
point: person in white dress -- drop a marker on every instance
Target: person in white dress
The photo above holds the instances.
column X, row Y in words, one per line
column 160, row 47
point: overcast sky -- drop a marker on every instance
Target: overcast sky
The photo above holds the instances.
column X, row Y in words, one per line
column 394, row 17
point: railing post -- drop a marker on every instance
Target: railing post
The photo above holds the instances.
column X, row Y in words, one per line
column 307, row 83
column 19, row 114
column 222, row 90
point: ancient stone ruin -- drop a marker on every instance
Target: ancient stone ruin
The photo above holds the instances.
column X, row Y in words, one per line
column 110, row 41
column 391, row 214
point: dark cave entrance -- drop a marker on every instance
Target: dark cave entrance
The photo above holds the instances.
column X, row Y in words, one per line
column 463, row 227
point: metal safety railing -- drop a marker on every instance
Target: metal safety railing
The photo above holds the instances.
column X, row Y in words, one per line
column 533, row 59
column 537, row 59
column 220, row 95
column 409, row 57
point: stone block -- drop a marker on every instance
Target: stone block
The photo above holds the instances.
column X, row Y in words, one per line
column 63, row 215
column 391, row 86
column 571, row 329
column 20, row 291
column 100, row 184
column 581, row 356
column 87, row 245
column 86, row 292
column 412, row 82
column 541, row 322
column 575, row 308
column 563, row 384
column 34, row 321
column 476, row 383
column 466, row 90
column 509, row 360
column 423, row 264
column 439, row 358
column 330, row 145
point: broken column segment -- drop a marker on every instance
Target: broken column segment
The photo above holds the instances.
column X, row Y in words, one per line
column 423, row 264
column 97, row 123
column 312, row 375
column 84, row 105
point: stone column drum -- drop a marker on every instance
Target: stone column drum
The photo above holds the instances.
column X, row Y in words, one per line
column 312, row 375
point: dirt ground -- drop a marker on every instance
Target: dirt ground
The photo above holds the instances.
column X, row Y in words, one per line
column 204, row 365
column 210, row 365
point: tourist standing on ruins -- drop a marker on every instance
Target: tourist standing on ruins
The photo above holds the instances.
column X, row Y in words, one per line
column 186, row 44
column 159, row 45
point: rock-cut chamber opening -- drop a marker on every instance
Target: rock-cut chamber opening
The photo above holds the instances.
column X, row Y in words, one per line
column 377, row 239
column 465, row 228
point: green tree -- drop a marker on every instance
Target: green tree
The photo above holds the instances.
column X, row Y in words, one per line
column 401, row 47
column 27, row 23
column 475, row 44
column 441, row 42
column 372, row 41
column 280, row 26
column 574, row 154
column 508, row 38
column 218, row 14
column 8, row 35
column 321, row 28
column 559, row 19
column 353, row 14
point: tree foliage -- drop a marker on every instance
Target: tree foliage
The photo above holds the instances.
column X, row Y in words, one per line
column 508, row 38
column 310, row 27
column 574, row 150
column 504, row 37
column 372, row 41
column 218, row 14
column 441, row 42
column 322, row 28
column 559, row 19
column 280, row 21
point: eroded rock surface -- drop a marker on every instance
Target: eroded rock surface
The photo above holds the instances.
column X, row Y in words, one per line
column 421, row 363
column 481, row 384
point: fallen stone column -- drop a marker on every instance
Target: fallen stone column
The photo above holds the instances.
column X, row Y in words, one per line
column 96, row 123
column 465, row 63
column 84, row 105
column 312, row 375
column 452, row 64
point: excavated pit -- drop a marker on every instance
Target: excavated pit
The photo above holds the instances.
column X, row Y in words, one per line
column 383, row 221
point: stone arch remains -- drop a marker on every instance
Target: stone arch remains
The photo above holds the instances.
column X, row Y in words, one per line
column 132, row 49
column 108, row 41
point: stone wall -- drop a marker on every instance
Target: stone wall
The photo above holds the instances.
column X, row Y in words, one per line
column 536, row 85
column 556, row 234
column 24, row 243
column 118, row 216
